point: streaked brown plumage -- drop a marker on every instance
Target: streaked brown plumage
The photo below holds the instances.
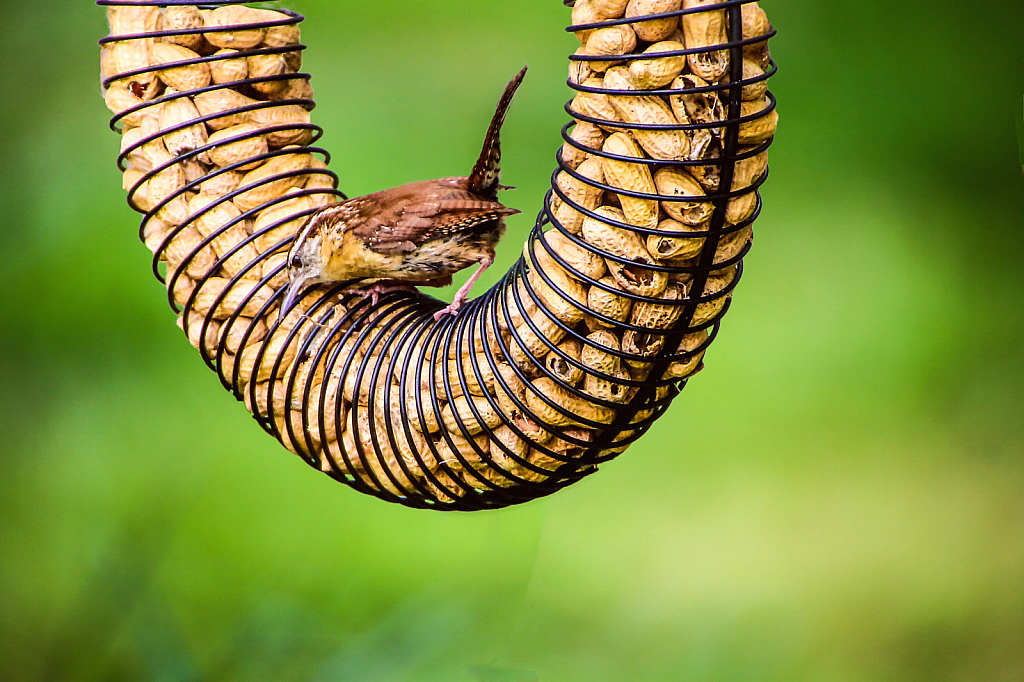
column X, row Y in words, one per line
column 421, row 233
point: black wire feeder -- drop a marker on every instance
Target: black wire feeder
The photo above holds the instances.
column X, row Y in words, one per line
column 399, row 337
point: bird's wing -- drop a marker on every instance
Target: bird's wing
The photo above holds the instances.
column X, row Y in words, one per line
column 398, row 222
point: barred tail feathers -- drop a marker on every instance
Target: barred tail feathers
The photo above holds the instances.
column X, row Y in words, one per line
column 486, row 175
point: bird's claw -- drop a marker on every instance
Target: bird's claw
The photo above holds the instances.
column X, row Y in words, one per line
column 452, row 310
column 375, row 291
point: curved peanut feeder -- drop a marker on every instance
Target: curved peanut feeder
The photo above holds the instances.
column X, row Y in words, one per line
column 561, row 366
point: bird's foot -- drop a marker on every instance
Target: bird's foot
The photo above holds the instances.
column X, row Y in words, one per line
column 375, row 291
column 463, row 293
column 452, row 310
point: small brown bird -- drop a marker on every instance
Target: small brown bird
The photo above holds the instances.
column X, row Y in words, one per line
column 420, row 233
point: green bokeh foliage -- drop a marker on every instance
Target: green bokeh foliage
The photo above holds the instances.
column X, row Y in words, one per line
column 838, row 497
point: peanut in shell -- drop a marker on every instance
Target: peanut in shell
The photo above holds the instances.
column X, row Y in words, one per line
column 708, row 311
column 266, row 66
column 755, row 24
column 753, row 91
column 579, row 70
column 264, row 190
column 657, row 72
column 610, row 41
column 583, row 12
column 131, row 56
column 155, row 235
column 187, row 250
column 120, row 99
column 182, row 18
column 761, row 128
column 609, row 9
column 577, row 408
column 560, row 367
column 129, row 20
column 610, row 305
column 230, row 16
column 242, row 330
column 595, row 105
column 664, row 247
column 582, row 262
column 181, row 78
column 689, row 344
column 579, row 192
column 566, row 299
column 609, row 390
column 526, row 345
column 632, row 276
column 247, row 295
column 595, row 356
column 460, row 410
column 745, row 174
column 588, row 136
column 667, row 145
column 282, row 36
column 276, row 223
column 229, row 150
column 224, row 70
column 656, row 29
column 296, row 88
column 202, row 334
column 224, row 101
column 174, row 113
column 284, row 114
column 676, row 182
column 634, row 177
column 702, row 30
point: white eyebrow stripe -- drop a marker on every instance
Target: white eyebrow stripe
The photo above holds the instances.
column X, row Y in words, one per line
column 313, row 222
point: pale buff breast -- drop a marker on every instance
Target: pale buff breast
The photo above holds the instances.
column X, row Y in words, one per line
column 349, row 258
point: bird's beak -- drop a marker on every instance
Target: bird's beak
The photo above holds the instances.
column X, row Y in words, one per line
column 294, row 289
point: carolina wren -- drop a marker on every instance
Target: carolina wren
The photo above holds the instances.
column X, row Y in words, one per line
column 420, row 233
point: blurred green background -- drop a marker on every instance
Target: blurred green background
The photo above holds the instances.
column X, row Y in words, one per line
column 838, row 497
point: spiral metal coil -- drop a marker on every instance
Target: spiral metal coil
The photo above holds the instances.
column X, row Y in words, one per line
column 378, row 354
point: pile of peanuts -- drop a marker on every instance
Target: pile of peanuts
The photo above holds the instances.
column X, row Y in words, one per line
column 498, row 405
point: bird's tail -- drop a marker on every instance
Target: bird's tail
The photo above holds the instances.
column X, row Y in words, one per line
column 487, row 171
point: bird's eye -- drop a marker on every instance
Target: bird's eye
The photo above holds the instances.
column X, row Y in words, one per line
column 295, row 262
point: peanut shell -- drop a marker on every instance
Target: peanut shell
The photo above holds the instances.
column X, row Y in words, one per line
column 648, row 110
column 561, row 368
column 610, row 41
column 248, row 295
column 651, row 74
column 675, row 182
column 175, row 112
column 665, row 247
column 706, row 29
column 603, row 302
column 595, row 104
column 656, row 29
column 182, row 78
column 630, row 176
column 234, row 15
column 181, row 18
column 264, row 191
column 581, row 193
column 250, row 145
column 588, row 136
column 224, row 71
column 761, row 128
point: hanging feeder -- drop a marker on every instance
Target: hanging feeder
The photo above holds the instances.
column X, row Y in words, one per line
column 559, row 367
